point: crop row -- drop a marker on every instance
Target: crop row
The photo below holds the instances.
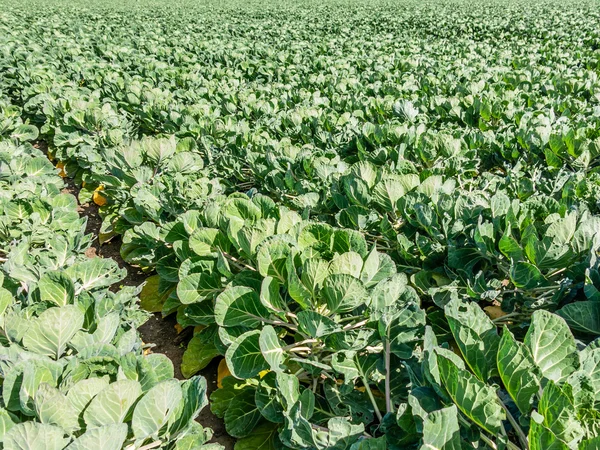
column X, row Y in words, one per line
column 74, row 370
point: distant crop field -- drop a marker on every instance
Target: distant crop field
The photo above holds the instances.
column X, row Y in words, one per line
column 376, row 224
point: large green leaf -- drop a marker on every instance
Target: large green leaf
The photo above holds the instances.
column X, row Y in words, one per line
column 244, row 356
column 155, row 408
column 34, row 435
column 475, row 335
column 109, row 437
column 50, row 333
column 518, row 371
column 112, row 405
column 475, row 399
column 239, row 306
column 582, row 316
column 552, row 346
column 441, row 430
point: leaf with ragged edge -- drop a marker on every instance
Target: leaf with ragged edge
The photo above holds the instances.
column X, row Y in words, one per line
column 263, row 437
column 239, row 306
column 244, row 356
column 112, row 404
column 441, row 430
column 475, row 399
column 404, row 331
column 109, row 437
column 271, row 348
column 50, row 333
column 552, row 346
column 582, row 316
column 56, row 287
column 518, row 371
column 34, row 435
column 200, row 351
column 242, row 415
column 560, row 417
column 591, row 367
column 196, row 287
column 95, row 273
column 541, row 438
column 475, row 335
column 370, row 444
column 155, row 408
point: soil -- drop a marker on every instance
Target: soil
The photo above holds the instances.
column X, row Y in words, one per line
column 158, row 330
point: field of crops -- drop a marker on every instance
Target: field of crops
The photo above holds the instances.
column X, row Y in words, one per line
column 382, row 218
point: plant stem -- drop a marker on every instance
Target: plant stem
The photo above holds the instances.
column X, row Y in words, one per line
column 488, row 441
column 370, row 394
column 239, row 264
column 388, row 391
column 515, row 424
column 296, row 344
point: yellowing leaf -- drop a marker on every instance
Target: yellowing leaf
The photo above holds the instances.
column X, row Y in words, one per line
column 98, row 198
column 178, row 328
column 494, row 312
column 150, row 298
column 222, row 372
column 61, row 165
column 263, row 373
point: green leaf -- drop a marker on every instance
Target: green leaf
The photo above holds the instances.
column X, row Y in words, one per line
column 24, row 133
column 239, row 306
column 271, row 348
column 244, row 356
column 109, row 437
column 441, row 430
column 200, row 351
column 343, row 293
column 112, row 404
column 197, row 287
column 242, row 415
column 526, row 276
column 556, row 407
column 263, row 437
column 155, row 408
column 475, row 399
column 56, row 287
column 316, row 325
column 52, row 408
column 582, row 316
column 475, row 335
column 518, row 371
column 33, row 435
column 541, row 438
column 50, row 333
column 552, row 346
